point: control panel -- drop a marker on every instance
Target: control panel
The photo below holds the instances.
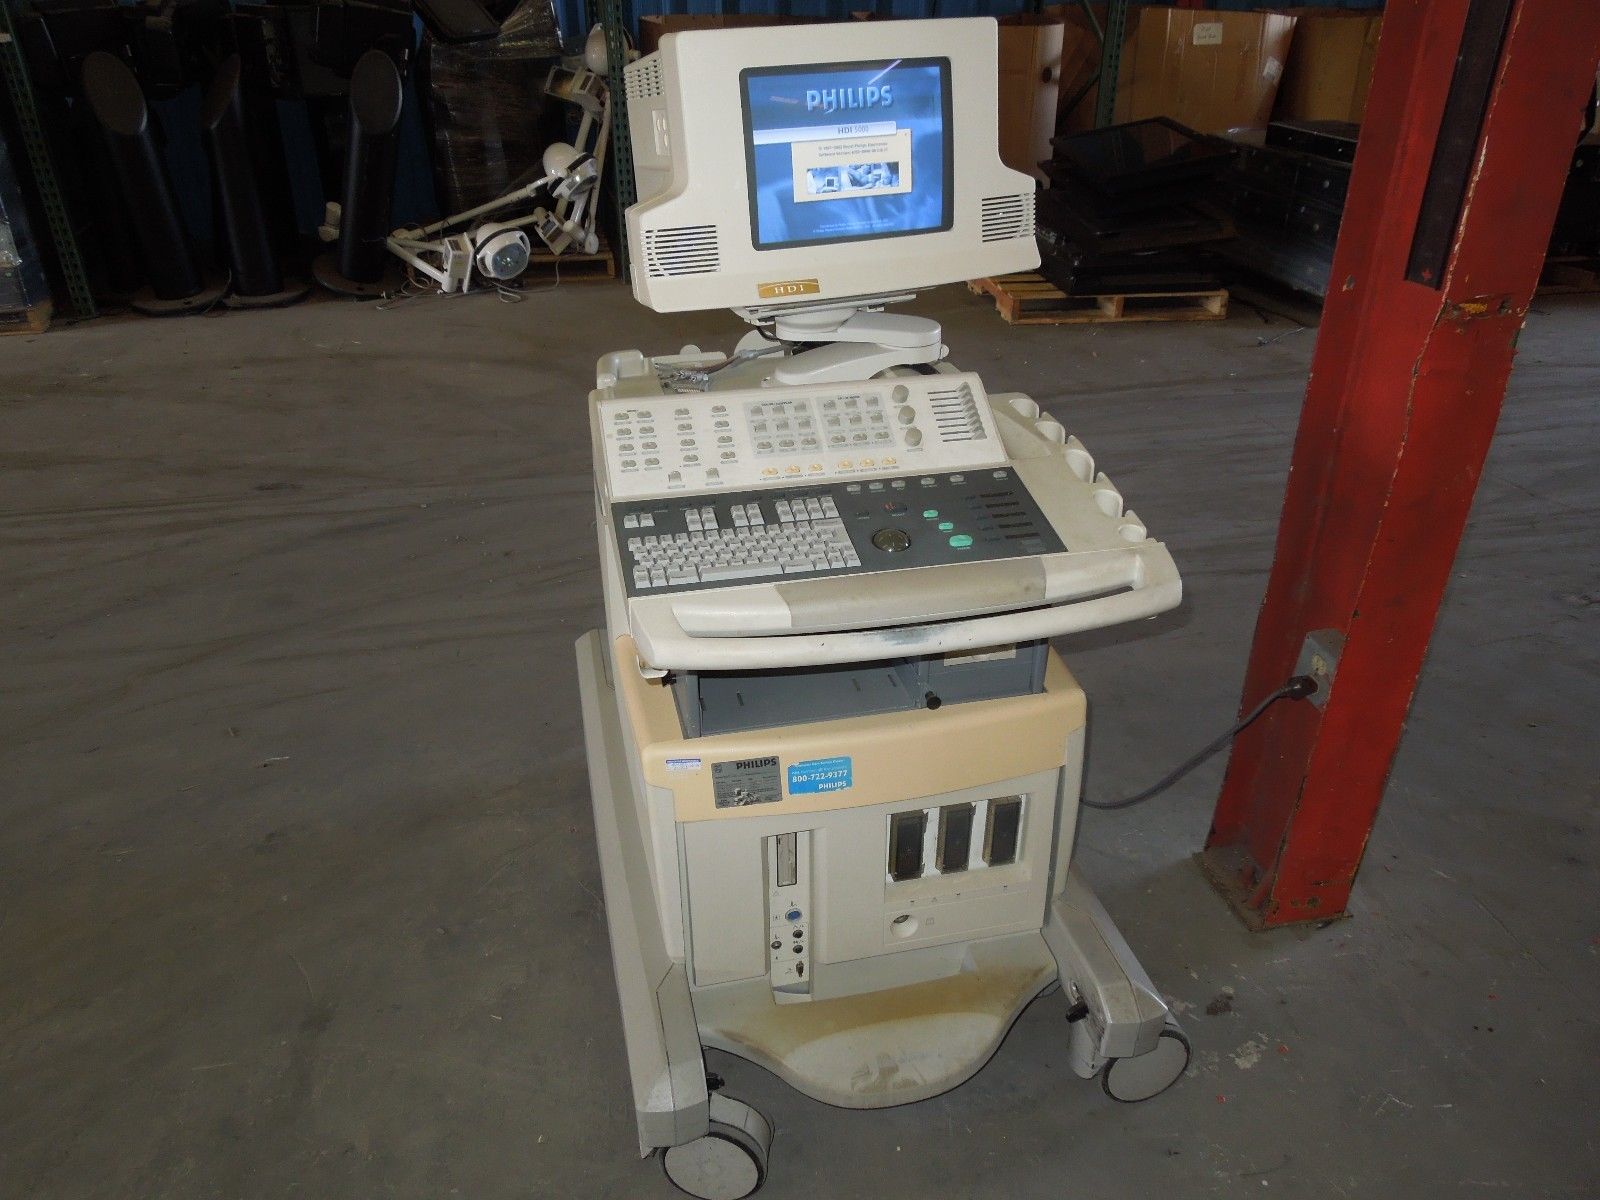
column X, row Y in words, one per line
column 766, row 436
column 789, row 915
column 674, row 544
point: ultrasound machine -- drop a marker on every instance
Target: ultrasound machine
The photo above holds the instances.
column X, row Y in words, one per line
column 835, row 762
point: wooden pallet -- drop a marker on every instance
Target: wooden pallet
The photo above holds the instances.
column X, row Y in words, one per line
column 1030, row 299
column 1568, row 276
column 542, row 265
column 33, row 319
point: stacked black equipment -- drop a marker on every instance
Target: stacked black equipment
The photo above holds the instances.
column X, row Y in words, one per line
column 1129, row 210
column 1286, row 195
column 1577, row 228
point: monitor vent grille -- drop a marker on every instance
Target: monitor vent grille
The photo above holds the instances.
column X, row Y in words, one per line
column 644, row 79
column 1007, row 217
column 955, row 414
column 681, row 250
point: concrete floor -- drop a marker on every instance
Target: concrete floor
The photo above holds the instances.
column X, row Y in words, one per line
column 298, row 895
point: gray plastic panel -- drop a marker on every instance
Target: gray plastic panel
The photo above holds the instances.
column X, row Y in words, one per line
column 731, row 702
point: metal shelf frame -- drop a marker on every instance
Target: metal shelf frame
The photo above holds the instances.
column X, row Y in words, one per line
column 58, row 221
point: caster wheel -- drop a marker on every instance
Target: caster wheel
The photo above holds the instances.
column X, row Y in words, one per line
column 730, row 1161
column 1129, row 1080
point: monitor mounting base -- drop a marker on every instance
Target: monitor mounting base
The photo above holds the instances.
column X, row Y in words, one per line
column 847, row 342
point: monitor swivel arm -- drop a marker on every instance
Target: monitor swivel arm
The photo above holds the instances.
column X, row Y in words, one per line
column 846, row 342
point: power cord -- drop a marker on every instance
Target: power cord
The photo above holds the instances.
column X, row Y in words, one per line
column 1297, row 688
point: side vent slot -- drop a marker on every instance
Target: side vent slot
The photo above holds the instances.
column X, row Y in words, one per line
column 643, row 79
column 681, row 250
column 1007, row 217
column 955, row 414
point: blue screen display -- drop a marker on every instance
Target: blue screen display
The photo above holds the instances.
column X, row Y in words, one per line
column 846, row 151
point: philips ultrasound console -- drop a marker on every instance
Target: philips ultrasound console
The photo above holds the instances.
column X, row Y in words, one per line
column 834, row 761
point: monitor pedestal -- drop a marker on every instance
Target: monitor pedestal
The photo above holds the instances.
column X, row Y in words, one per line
column 853, row 343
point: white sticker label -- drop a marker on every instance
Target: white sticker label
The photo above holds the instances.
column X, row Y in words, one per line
column 683, row 764
column 1272, row 68
column 1208, row 33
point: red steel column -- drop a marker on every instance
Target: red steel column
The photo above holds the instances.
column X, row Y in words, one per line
column 1405, row 389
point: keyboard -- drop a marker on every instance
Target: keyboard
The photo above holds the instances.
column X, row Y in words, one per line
column 750, row 551
column 674, row 544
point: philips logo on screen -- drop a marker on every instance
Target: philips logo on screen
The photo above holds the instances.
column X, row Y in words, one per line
column 830, row 100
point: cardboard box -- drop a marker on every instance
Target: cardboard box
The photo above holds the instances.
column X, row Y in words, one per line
column 1329, row 70
column 651, row 27
column 1080, row 60
column 1030, row 72
column 1210, row 70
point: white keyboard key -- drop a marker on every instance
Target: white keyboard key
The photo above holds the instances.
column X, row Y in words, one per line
column 683, row 574
column 641, row 577
column 794, row 568
column 658, row 577
column 741, row 571
column 692, row 520
column 631, row 521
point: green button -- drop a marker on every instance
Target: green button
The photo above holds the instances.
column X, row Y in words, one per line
column 946, row 526
column 961, row 541
column 930, row 513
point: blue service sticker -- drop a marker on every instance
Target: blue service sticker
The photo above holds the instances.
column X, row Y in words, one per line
column 820, row 775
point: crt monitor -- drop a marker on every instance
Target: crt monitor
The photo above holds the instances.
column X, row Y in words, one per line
column 801, row 164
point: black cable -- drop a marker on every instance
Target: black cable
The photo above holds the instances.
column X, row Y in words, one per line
column 1297, row 688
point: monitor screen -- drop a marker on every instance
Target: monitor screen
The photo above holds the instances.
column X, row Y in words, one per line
column 842, row 152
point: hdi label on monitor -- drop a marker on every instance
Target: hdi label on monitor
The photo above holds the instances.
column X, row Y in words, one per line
column 783, row 289
column 821, row 775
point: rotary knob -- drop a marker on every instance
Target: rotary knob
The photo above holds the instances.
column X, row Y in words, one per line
column 913, row 436
column 891, row 541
